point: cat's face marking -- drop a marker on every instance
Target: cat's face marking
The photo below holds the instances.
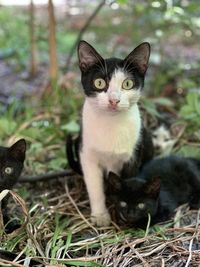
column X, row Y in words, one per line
column 116, row 98
column 113, row 84
column 11, row 163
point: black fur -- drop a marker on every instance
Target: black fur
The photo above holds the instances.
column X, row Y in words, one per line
column 72, row 153
column 162, row 185
column 12, row 157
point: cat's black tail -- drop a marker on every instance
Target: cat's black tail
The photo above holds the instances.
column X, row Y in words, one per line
column 72, row 153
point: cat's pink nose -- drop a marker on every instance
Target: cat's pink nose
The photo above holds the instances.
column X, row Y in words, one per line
column 114, row 102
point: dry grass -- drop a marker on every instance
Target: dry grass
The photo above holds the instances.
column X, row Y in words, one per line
column 57, row 230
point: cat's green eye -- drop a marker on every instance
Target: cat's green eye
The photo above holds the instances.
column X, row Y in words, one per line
column 123, row 204
column 141, row 206
column 8, row 170
column 100, row 83
column 128, row 84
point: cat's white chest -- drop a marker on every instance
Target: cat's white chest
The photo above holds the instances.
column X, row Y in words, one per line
column 112, row 162
column 111, row 139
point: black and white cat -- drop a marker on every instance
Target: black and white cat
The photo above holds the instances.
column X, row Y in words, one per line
column 11, row 165
column 112, row 132
column 161, row 186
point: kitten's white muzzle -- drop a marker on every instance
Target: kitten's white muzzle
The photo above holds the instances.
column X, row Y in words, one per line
column 113, row 99
column 113, row 104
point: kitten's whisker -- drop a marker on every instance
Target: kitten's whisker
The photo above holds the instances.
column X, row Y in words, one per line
column 99, row 67
column 122, row 217
column 131, row 69
column 98, row 59
column 127, row 64
column 127, row 67
column 106, row 70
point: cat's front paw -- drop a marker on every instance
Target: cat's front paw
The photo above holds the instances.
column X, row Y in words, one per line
column 101, row 219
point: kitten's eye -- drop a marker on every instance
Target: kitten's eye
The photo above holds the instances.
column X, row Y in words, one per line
column 141, row 206
column 128, row 84
column 8, row 170
column 123, row 204
column 100, row 83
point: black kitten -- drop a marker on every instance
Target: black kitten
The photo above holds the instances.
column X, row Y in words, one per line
column 162, row 185
column 11, row 165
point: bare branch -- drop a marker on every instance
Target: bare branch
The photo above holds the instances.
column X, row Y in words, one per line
column 53, row 65
column 84, row 28
column 46, row 176
column 33, row 63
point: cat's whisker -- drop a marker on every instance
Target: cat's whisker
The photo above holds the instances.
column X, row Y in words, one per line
column 99, row 60
column 126, row 66
column 99, row 67
column 131, row 69
column 122, row 217
column 106, row 69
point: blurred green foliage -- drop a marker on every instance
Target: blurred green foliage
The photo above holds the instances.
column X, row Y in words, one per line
column 190, row 113
column 15, row 37
column 191, row 110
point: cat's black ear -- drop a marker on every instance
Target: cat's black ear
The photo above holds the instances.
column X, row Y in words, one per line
column 139, row 57
column 114, row 183
column 152, row 188
column 18, row 150
column 88, row 56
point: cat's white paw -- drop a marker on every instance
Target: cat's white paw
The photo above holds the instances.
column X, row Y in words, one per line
column 101, row 219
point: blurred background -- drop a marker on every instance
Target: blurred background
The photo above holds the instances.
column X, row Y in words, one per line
column 40, row 90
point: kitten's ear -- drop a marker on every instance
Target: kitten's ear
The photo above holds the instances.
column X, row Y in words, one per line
column 140, row 57
column 88, row 56
column 152, row 188
column 18, row 150
column 114, row 182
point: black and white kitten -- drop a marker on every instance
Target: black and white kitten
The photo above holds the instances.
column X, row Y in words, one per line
column 161, row 186
column 112, row 130
column 11, row 165
column 163, row 140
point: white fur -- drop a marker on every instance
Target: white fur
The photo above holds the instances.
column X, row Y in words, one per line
column 109, row 139
column 162, row 140
column 115, row 92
